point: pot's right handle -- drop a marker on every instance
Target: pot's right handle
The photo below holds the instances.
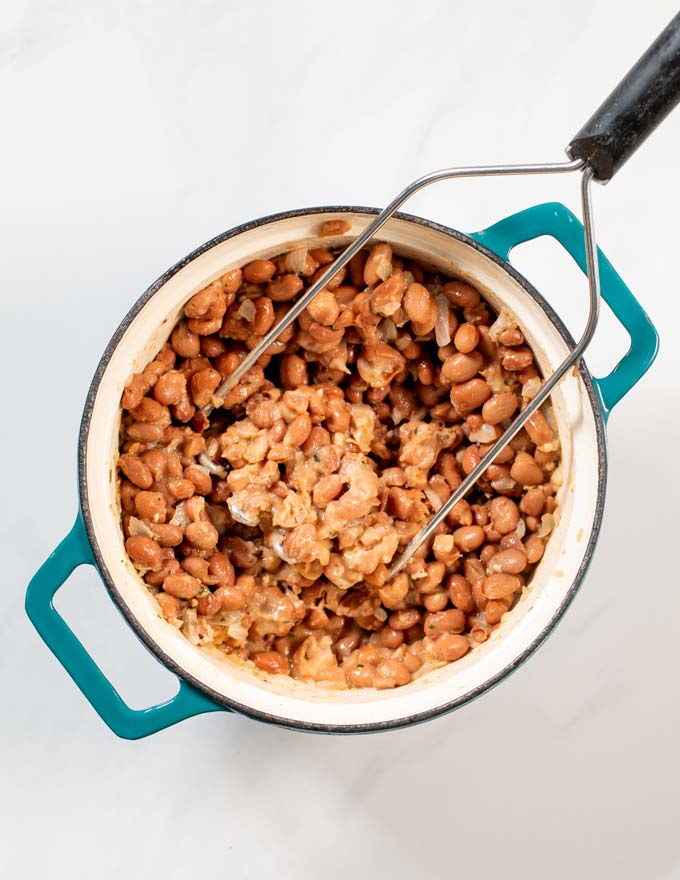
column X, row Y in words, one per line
column 556, row 220
column 128, row 723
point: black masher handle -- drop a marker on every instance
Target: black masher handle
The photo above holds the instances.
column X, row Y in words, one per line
column 643, row 99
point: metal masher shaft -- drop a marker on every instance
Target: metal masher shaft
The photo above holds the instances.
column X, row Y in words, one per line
column 467, row 484
column 343, row 259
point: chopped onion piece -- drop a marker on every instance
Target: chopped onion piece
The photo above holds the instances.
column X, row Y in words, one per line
column 485, row 434
column 180, row 517
column 441, row 327
column 388, row 330
column 531, row 388
column 546, row 526
column 521, row 529
column 246, row 311
column 209, row 465
column 403, row 342
column 296, row 261
column 433, row 498
column 137, row 527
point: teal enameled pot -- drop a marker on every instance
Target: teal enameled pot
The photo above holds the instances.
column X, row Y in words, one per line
column 209, row 683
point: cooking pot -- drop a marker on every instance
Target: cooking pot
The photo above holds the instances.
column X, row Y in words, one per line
column 212, row 683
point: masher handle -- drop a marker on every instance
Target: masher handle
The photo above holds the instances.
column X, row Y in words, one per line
column 643, row 99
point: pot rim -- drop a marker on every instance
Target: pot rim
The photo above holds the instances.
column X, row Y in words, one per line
column 228, row 703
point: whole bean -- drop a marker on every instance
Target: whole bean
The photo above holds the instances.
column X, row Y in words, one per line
column 525, row 471
column 208, row 604
column 231, row 598
column 516, row 359
column 534, row 548
column 167, row 535
column 135, row 470
column 460, row 592
column 203, row 384
column 420, row 307
column 450, row 647
column 146, row 432
column 532, row 502
column 436, row 601
column 293, row 371
column 504, row 515
column 271, row 662
column 500, row 586
column 150, row 505
column 181, row 489
column 149, row 410
column 391, row 673
column 391, row 638
column 468, row 538
column 128, row 491
column 327, row 489
column 499, row 407
column 186, row 343
column 461, row 294
column 181, row 585
column 170, row 387
column 511, row 561
column 470, row 395
column 460, row 367
column 439, row 622
column 466, row 338
column 144, row 552
column 200, row 478
column 538, row 429
column 202, row 535
column 259, row 271
column 495, row 609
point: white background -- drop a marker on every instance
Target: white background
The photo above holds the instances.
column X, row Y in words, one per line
column 132, row 132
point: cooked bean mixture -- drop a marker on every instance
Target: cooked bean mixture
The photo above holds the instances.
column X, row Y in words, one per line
column 265, row 531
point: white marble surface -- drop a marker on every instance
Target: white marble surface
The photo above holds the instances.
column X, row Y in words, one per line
column 133, row 132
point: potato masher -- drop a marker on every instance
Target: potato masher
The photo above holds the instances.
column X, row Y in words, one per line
column 643, row 98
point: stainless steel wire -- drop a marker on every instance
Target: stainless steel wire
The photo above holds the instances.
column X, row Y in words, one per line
column 593, row 315
column 343, row 259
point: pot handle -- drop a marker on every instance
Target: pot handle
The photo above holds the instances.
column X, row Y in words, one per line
column 556, row 220
column 128, row 723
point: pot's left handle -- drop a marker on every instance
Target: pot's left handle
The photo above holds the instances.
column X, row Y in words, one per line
column 128, row 723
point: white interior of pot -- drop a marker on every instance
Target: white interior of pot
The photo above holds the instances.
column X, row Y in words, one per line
column 281, row 696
